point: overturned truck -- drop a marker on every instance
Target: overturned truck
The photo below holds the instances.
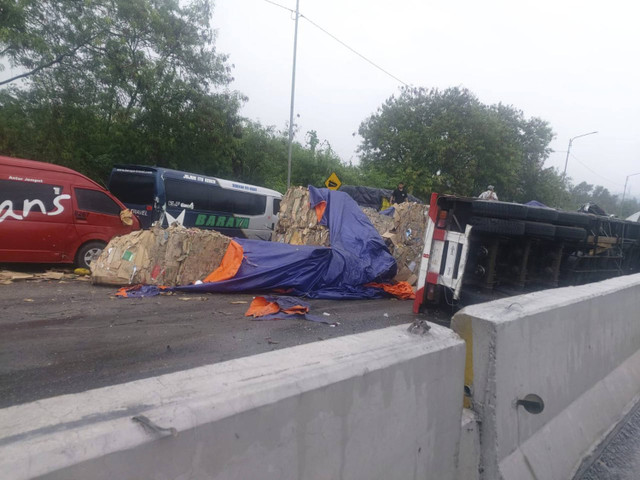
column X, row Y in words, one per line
column 476, row 249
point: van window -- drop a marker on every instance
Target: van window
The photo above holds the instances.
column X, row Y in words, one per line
column 17, row 192
column 135, row 188
column 213, row 198
column 95, row 201
column 276, row 206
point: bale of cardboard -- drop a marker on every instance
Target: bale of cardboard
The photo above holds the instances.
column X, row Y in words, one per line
column 403, row 232
column 298, row 222
column 160, row 256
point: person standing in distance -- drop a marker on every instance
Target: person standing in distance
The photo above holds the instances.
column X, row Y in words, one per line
column 489, row 194
column 399, row 195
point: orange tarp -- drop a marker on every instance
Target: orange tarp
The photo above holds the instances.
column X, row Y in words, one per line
column 261, row 307
column 229, row 265
column 401, row 290
column 320, row 208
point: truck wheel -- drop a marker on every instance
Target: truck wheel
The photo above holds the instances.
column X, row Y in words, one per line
column 570, row 233
column 536, row 229
column 87, row 253
column 499, row 226
column 574, row 219
column 541, row 214
column 489, row 208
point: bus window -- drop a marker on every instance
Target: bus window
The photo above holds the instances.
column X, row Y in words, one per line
column 132, row 188
column 242, row 203
column 213, row 198
column 192, row 195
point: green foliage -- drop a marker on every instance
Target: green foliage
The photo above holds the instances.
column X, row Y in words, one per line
column 125, row 81
column 448, row 141
column 139, row 81
column 583, row 193
column 261, row 156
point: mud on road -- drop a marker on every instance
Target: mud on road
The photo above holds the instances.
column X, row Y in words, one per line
column 66, row 336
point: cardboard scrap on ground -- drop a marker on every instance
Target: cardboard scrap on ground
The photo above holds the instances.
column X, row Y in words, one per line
column 8, row 276
column 159, row 256
column 297, row 222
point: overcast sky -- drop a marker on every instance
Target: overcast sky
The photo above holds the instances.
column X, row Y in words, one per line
column 575, row 64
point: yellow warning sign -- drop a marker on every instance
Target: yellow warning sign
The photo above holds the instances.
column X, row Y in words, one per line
column 333, row 182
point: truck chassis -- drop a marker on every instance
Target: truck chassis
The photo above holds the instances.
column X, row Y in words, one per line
column 486, row 246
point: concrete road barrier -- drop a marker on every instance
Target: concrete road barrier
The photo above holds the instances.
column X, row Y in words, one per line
column 385, row 405
column 577, row 348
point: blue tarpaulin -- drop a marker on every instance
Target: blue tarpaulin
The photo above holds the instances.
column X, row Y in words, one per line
column 357, row 257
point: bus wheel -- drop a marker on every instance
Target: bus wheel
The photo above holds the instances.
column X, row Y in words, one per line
column 87, row 253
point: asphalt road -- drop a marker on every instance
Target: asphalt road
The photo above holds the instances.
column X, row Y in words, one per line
column 59, row 337
column 620, row 457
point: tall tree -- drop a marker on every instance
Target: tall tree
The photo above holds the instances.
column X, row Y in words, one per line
column 105, row 81
column 448, row 141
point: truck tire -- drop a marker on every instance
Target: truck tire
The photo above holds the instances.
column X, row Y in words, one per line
column 489, row 208
column 570, row 233
column 88, row 252
column 541, row 214
column 574, row 219
column 537, row 229
column 499, row 226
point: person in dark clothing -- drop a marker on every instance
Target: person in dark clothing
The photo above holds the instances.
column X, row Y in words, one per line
column 399, row 195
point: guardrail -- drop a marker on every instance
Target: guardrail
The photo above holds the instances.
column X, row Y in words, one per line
column 577, row 349
column 384, row 404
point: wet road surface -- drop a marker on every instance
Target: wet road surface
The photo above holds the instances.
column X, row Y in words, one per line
column 59, row 337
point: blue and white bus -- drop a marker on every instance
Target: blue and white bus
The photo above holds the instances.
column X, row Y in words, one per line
column 157, row 194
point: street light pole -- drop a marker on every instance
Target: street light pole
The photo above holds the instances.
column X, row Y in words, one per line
column 564, row 174
column 293, row 94
column 624, row 191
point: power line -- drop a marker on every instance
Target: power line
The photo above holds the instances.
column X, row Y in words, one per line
column 281, row 6
column 340, row 42
column 594, row 172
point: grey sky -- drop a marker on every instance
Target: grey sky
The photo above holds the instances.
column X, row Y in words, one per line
column 572, row 63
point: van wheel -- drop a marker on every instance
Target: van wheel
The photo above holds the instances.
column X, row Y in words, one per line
column 87, row 253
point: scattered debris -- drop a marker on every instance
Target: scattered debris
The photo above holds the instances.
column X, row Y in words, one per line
column 239, row 302
column 9, row 276
column 82, row 271
column 419, row 327
column 276, row 308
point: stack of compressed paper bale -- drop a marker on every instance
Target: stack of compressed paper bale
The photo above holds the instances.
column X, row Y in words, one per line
column 172, row 256
column 407, row 238
column 297, row 222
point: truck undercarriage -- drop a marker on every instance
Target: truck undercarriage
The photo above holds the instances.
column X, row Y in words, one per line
column 481, row 246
